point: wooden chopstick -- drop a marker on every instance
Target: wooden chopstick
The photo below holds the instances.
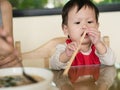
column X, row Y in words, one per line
column 74, row 54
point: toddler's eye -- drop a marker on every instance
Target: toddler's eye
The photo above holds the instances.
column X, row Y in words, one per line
column 77, row 22
column 90, row 21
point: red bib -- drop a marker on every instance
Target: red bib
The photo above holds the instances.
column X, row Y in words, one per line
column 82, row 59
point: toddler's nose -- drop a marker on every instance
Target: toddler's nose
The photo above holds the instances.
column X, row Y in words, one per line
column 84, row 27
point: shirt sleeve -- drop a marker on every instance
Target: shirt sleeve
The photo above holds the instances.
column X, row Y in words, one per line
column 54, row 60
column 108, row 58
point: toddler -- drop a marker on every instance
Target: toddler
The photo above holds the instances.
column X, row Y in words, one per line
column 79, row 16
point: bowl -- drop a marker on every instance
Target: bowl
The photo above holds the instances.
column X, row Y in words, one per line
column 44, row 73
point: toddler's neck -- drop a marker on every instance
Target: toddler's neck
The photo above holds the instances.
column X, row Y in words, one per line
column 85, row 48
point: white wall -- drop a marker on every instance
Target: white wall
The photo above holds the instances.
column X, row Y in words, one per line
column 34, row 31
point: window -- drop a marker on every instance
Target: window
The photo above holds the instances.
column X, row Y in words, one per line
column 52, row 7
column 35, row 4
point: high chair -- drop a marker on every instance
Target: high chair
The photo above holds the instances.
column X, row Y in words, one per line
column 39, row 57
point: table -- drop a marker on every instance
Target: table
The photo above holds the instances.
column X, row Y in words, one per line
column 93, row 77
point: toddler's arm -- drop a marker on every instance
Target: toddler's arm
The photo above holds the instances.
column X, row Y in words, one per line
column 55, row 63
column 108, row 58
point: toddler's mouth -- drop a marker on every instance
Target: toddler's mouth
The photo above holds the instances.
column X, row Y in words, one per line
column 85, row 35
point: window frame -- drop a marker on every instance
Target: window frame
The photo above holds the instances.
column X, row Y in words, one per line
column 57, row 11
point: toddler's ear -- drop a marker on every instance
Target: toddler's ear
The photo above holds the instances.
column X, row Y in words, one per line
column 65, row 29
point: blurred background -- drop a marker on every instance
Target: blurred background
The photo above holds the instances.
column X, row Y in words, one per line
column 37, row 21
column 35, row 4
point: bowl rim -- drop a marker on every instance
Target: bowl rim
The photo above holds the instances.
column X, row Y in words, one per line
column 28, row 68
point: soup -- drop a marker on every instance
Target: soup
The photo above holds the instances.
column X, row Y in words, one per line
column 17, row 80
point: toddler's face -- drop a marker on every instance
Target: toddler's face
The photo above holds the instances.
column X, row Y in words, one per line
column 78, row 21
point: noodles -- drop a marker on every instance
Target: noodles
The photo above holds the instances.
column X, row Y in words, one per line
column 16, row 80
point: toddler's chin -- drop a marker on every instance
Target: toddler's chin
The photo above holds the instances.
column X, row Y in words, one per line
column 86, row 41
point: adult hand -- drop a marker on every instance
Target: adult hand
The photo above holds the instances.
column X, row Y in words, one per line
column 5, row 48
column 6, row 41
column 9, row 56
column 11, row 60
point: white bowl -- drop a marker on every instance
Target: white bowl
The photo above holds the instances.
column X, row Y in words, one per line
column 43, row 85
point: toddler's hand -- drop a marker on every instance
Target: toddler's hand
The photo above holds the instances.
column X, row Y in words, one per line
column 94, row 35
column 71, row 47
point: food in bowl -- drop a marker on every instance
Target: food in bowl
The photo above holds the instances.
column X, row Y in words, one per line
column 17, row 80
column 43, row 76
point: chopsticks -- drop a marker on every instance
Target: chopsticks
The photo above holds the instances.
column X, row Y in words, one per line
column 65, row 73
